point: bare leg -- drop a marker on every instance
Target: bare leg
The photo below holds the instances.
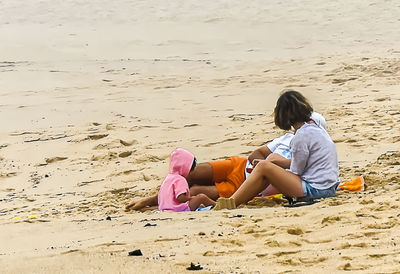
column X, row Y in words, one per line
column 201, row 175
column 270, row 190
column 143, row 202
column 210, row 191
column 198, row 200
column 264, row 174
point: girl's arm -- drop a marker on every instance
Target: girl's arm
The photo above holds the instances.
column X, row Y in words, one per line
column 184, row 197
column 279, row 160
column 259, row 153
column 143, row 202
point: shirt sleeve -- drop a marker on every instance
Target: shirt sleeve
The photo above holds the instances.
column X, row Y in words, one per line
column 300, row 153
column 180, row 187
column 274, row 144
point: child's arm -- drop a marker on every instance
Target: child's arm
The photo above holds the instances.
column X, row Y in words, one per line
column 143, row 203
column 184, row 197
column 279, row 160
column 259, row 153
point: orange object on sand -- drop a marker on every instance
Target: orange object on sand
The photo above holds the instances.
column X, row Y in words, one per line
column 275, row 196
column 356, row 184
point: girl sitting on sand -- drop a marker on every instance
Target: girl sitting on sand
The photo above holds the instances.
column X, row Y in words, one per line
column 314, row 167
column 174, row 192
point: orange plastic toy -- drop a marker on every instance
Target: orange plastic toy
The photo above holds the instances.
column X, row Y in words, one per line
column 356, row 184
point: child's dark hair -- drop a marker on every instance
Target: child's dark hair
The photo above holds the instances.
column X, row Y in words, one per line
column 291, row 108
column 194, row 164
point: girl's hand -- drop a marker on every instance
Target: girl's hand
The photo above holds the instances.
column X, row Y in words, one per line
column 279, row 160
column 255, row 162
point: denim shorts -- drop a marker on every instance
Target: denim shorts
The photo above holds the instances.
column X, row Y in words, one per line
column 314, row 193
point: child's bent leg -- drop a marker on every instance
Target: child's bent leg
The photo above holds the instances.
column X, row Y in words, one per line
column 198, row 200
column 210, row 191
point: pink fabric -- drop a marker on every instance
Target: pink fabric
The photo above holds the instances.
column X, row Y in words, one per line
column 181, row 161
column 175, row 183
column 172, row 187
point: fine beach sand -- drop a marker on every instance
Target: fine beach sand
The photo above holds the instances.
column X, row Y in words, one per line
column 96, row 94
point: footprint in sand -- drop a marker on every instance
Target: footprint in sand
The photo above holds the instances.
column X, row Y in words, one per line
column 335, row 202
column 125, row 172
column 295, row 231
column 109, row 156
column 55, row 159
column 366, row 202
column 284, row 253
column 343, row 81
column 228, row 242
column 272, row 243
column 212, row 253
column 109, row 244
column 371, row 233
column 330, row 220
column 387, row 225
column 97, row 136
column 289, row 262
column 100, row 146
column 87, row 183
column 221, row 253
column 125, row 154
column 312, row 260
column 221, row 142
column 317, row 241
column 348, row 267
column 167, row 239
column 345, row 245
column 72, row 251
column 110, row 127
column 253, row 230
column 7, row 175
column 128, row 143
column 3, row 146
column 151, row 158
column 382, row 99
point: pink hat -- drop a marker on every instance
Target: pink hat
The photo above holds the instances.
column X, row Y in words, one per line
column 181, row 162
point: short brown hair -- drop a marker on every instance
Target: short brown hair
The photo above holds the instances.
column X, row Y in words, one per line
column 291, row 108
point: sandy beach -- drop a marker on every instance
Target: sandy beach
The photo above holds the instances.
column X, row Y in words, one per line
column 95, row 95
